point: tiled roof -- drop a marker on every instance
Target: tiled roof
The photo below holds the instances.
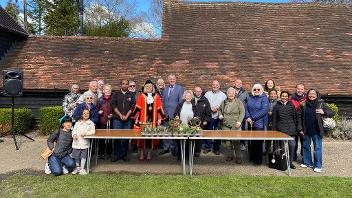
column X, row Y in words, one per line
column 290, row 43
column 7, row 23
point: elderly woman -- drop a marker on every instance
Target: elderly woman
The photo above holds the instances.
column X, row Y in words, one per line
column 160, row 85
column 87, row 104
column 257, row 117
column 310, row 126
column 105, row 114
column 71, row 100
column 148, row 109
column 284, row 119
column 186, row 110
column 231, row 113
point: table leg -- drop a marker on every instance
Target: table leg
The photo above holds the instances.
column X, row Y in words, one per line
column 89, row 155
column 96, row 151
column 287, row 153
column 183, row 157
column 191, row 155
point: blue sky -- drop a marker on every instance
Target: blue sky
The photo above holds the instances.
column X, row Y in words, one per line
column 144, row 4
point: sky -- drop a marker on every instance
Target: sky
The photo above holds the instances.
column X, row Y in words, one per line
column 144, row 5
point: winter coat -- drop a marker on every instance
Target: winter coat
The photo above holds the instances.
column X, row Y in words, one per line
column 301, row 117
column 103, row 104
column 82, row 127
column 242, row 95
column 203, row 110
column 93, row 111
column 232, row 112
column 285, row 118
column 122, row 102
column 257, row 109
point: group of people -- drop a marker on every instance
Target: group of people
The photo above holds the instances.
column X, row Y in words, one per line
column 263, row 108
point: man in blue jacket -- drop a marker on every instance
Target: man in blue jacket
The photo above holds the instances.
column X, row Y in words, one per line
column 172, row 96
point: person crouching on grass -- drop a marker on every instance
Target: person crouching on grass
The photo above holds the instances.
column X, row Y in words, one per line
column 61, row 139
column 80, row 145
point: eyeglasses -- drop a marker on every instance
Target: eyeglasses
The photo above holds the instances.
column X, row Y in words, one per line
column 132, row 86
column 256, row 89
column 89, row 98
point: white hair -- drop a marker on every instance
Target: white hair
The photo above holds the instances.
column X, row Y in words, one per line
column 257, row 86
column 186, row 92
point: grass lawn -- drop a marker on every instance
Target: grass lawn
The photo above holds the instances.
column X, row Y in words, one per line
column 123, row 185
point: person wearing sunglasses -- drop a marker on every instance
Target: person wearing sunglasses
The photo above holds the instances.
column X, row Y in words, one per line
column 256, row 117
column 88, row 104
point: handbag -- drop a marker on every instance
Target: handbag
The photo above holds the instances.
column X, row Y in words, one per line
column 329, row 123
column 46, row 153
column 277, row 159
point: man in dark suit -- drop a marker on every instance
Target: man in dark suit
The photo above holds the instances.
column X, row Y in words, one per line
column 172, row 96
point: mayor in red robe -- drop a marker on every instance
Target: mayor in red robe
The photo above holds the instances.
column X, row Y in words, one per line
column 148, row 109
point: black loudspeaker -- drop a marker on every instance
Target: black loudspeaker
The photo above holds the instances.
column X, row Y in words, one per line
column 13, row 83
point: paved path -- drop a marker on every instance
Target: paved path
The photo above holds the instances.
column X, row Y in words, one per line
column 337, row 162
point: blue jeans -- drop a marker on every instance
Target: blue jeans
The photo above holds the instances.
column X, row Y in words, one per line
column 213, row 125
column 318, row 150
column 121, row 146
column 56, row 163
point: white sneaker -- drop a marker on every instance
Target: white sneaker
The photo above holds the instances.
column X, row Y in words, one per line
column 64, row 170
column 77, row 169
column 83, row 171
column 47, row 169
column 318, row 170
column 305, row 166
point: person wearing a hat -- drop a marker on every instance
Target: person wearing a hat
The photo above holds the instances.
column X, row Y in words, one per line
column 61, row 142
column 148, row 110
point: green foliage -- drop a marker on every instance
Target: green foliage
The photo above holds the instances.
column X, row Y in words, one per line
column 37, row 10
column 62, row 18
column 343, row 129
column 23, row 119
column 114, row 28
column 118, row 185
column 13, row 10
column 335, row 109
column 49, row 119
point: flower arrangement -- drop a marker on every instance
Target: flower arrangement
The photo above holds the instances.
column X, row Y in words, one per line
column 176, row 128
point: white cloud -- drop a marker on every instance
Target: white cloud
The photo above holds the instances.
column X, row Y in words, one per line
column 143, row 30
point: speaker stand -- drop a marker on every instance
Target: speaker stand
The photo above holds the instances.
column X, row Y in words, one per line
column 12, row 130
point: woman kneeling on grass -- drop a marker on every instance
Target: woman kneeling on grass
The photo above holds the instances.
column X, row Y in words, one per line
column 63, row 148
column 80, row 145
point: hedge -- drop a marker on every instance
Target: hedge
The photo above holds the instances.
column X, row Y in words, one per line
column 23, row 119
column 335, row 109
column 49, row 119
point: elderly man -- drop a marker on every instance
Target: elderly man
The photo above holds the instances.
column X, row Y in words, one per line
column 215, row 97
column 171, row 97
column 242, row 95
column 100, row 88
column 71, row 100
column 204, row 111
column 93, row 90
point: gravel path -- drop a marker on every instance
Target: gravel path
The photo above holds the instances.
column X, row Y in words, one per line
column 337, row 162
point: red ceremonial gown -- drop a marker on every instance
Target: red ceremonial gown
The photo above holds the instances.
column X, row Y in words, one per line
column 148, row 113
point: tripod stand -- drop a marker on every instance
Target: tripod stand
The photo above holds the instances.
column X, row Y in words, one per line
column 12, row 130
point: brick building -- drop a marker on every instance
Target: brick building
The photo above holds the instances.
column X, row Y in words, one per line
column 289, row 43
